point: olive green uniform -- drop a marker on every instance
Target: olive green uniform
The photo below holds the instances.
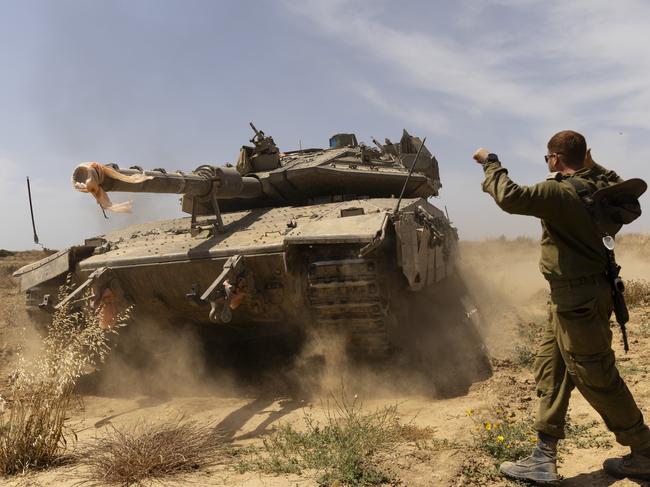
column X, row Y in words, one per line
column 576, row 346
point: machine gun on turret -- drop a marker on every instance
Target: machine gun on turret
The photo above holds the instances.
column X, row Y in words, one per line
column 264, row 144
column 263, row 156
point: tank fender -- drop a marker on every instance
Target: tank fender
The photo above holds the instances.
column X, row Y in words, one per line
column 43, row 270
column 51, row 266
column 378, row 239
column 421, row 250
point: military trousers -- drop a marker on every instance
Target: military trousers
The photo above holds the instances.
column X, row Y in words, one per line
column 576, row 352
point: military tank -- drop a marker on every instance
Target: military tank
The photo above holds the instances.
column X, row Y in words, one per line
column 342, row 238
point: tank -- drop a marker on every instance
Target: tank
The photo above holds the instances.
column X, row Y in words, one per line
column 343, row 239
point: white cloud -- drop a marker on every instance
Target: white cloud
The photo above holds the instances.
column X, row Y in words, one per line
column 574, row 54
column 547, row 66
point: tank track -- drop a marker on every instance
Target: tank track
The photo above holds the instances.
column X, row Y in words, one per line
column 345, row 296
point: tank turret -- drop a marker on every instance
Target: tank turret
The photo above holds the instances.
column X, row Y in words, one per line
column 266, row 177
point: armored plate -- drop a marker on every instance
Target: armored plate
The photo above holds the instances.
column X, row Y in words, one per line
column 250, row 232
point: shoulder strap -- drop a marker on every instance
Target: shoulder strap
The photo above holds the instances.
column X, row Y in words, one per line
column 584, row 193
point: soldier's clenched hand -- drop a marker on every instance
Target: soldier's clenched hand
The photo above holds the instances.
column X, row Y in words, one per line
column 480, row 155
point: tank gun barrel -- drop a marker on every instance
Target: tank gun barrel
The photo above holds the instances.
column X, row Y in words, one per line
column 204, row 182
column 159, row 182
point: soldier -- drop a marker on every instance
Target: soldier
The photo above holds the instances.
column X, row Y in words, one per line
column 576, row 347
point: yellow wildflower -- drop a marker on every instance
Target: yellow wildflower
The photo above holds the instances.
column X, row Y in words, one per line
column 488, row 426
column 500, row 438
column 470, row 412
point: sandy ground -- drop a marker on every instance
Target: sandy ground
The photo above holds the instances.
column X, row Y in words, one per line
column 512, row 297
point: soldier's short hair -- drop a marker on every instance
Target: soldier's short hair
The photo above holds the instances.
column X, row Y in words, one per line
column 571, row 145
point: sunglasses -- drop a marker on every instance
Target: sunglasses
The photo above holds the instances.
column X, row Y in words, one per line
column 548, row 156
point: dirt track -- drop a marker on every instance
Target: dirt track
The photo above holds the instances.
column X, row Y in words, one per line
column 246, row 415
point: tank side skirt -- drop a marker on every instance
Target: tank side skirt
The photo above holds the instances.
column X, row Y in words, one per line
column 180, row 257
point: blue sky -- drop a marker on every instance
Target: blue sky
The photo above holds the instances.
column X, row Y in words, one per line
column 175, row 83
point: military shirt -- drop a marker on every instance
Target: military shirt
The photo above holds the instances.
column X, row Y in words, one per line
column 571, row 243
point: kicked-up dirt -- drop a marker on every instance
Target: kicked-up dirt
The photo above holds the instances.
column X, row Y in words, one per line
column 249, row 398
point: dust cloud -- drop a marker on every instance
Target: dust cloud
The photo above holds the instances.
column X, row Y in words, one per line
column 633, row 255
column 502, row 274
column 506, row 289
column 438, row 351
column 156, row 358
column 509, row 292
column 441, row 352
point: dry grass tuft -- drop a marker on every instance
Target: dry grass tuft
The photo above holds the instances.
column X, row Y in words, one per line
column 33, row 431
column 637, row 292
column 127, row 456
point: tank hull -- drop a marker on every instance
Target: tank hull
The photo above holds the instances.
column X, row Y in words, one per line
column 339, row 265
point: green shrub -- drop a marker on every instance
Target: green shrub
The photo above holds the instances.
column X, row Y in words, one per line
column 504, row 437
column 342, row 449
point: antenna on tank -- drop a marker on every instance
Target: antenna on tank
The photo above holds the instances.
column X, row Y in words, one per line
column 31, row 211
column 401, row 195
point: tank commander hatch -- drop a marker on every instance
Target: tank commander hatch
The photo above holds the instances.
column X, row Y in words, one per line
column 575, row 351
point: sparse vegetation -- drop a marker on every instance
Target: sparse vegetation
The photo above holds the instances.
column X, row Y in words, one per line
column 525, row 351
column 33, row 431
column 149, row 451
column 628, row 368
column 524, row 356
column 6, row 271
column 503, row 436
column 637, row 292
column 585, row 435
column 343, row 450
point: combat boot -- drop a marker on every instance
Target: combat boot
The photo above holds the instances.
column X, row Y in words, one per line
column 540, row 467
column 635, row 465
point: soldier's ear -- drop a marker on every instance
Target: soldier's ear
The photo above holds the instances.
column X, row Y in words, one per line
column 589, row 162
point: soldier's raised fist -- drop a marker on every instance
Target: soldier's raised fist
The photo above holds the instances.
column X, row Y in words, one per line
column 480, row 155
